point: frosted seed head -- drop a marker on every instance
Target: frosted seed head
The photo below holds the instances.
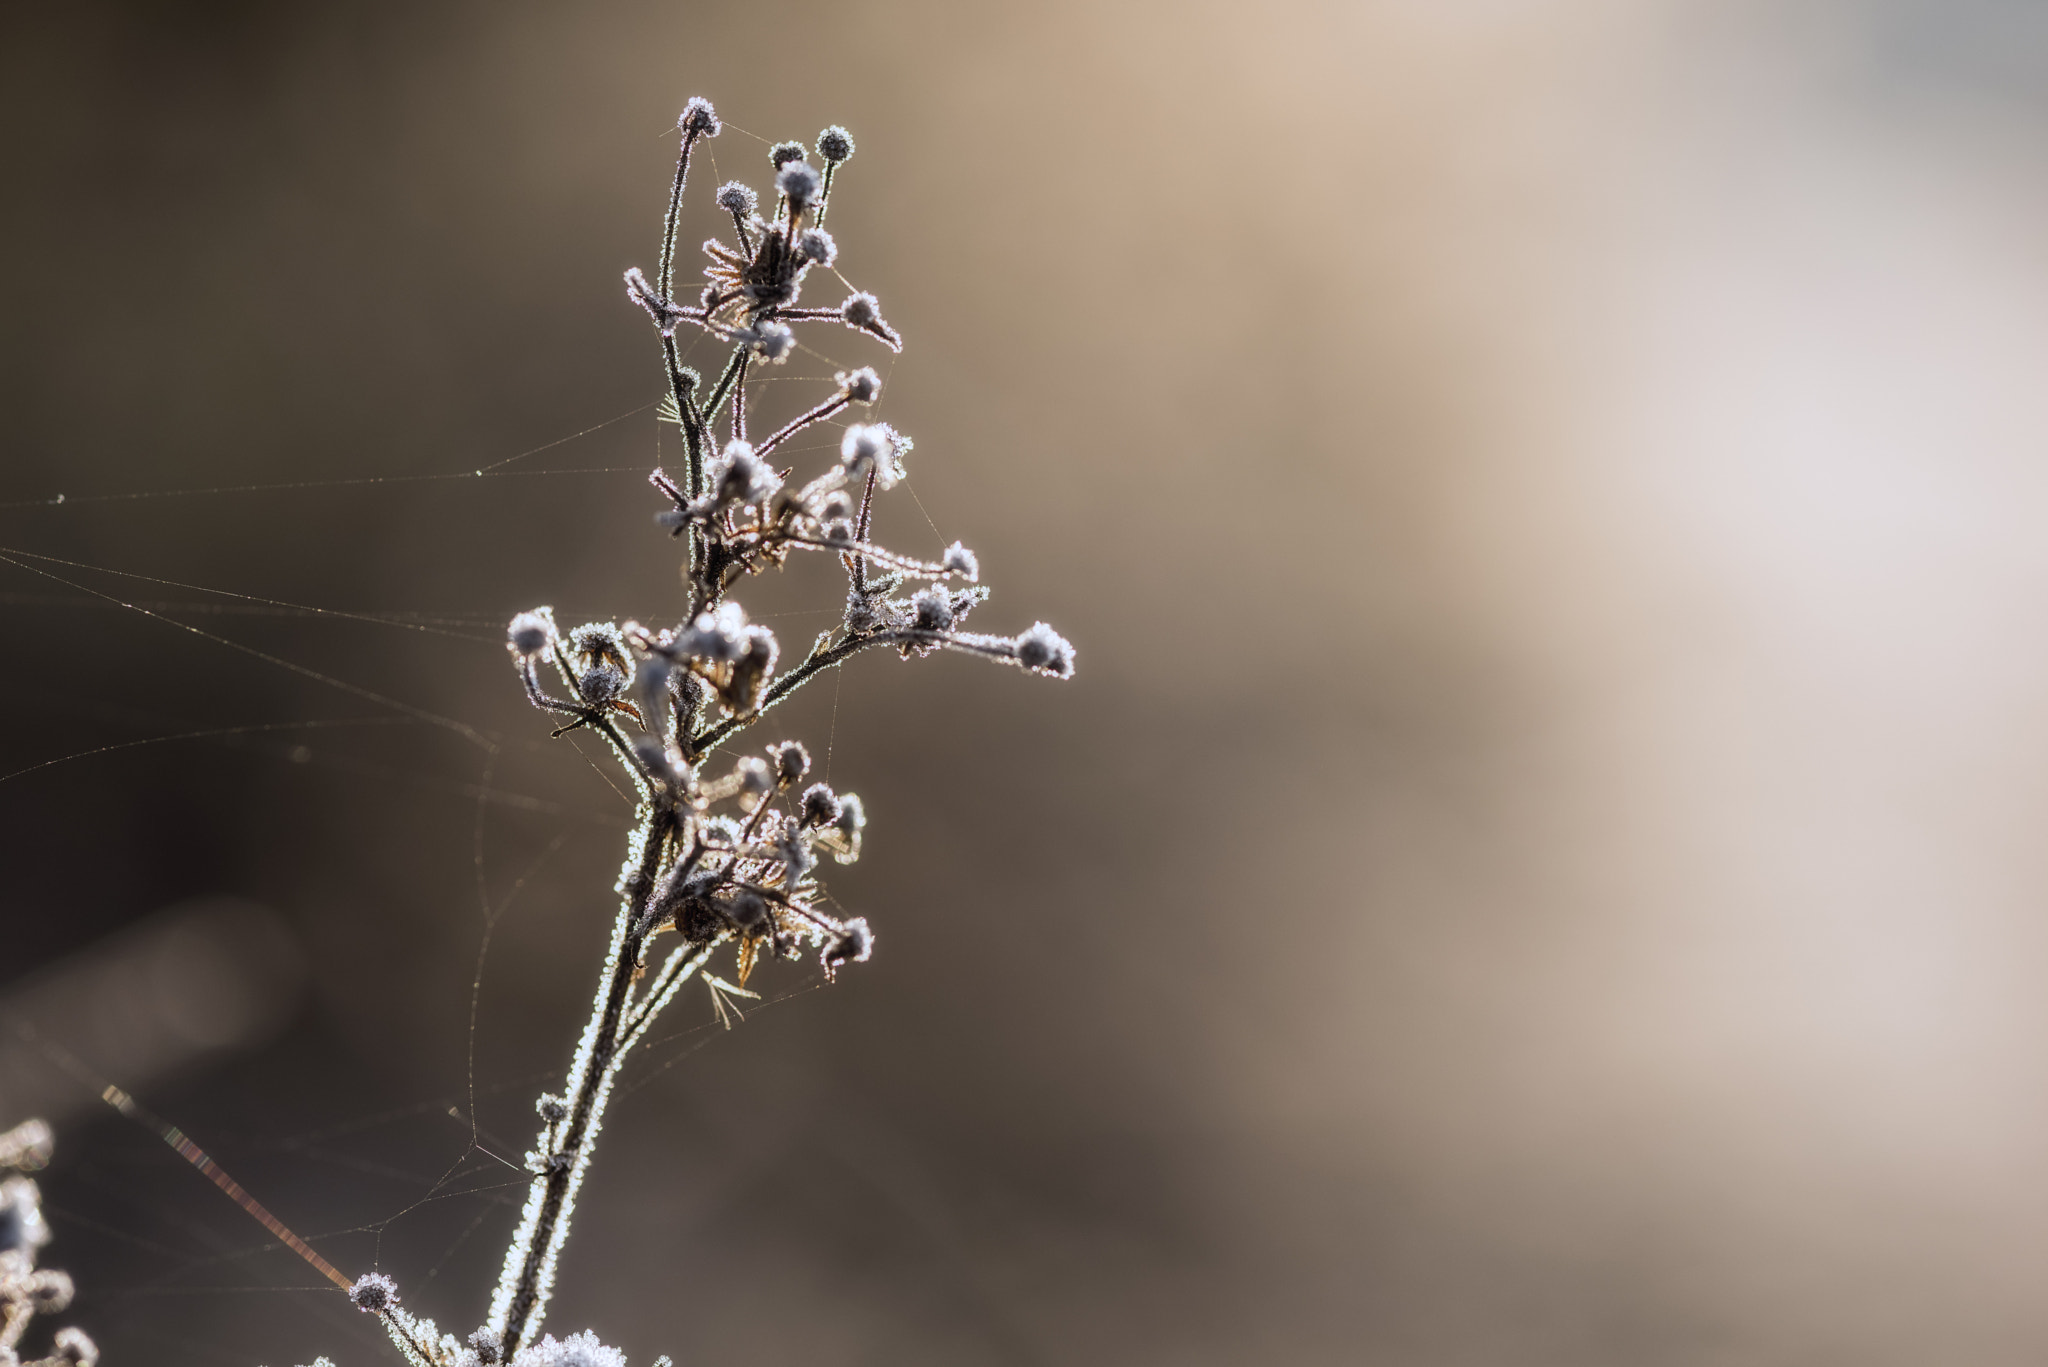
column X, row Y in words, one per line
column 76, row 1347
column 530, row 633
column 796, row 858
column 736, row 198
column 853, row 817
column 791, row 762
column 485, row 1345
column 861, row 386
column 550, row 1108
column 865, row 444
column 932, row 610
column 837, row 503
column 577, row 1350
column 50, row 1290
column 699, row 119
column 853, row 946
column 835, row 144
column 747, row 911
column 839, row 531
column 27, row 1146
column 1045, row 651
column 959, row 560
column 799, row 183
column 783, row 153
column 861, row 309
column 816, row 246
column 373, row 1292
column 820, row 806
column 772, row 341
column 740, row 477
column 754, row 775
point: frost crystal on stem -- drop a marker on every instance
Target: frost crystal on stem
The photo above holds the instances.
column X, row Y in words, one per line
column 720, row 857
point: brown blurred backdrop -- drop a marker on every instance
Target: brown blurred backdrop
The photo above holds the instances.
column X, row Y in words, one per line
column 1539, row 865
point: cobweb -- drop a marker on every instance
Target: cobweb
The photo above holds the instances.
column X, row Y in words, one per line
column 362, row 765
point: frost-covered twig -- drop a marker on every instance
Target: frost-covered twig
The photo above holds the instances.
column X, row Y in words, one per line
column 732, row 857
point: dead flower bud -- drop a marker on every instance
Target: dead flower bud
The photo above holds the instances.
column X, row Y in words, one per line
column 799, row 183
column 747, row 911
column 877, row 447
column 485, row 1345
column 771, row 341
column 864, row 312
column 736, row 198
column 842, row 837
column 756, row 781
column 816, row 246
column 932, row 610
column 699, row 119
column 530, row 633
column 740, row 477
column 598, row 650
column 783, row 153
column 959, row 560
column 835, row 144
column 852, row 947
column 820, row 806
column 1045, row 651
column 75, row 1346
column 373, row 1292
column 577, row 1350
column 791, row 762
column 861, row 386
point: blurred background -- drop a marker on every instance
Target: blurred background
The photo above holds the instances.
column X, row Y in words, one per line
column 1539, row 864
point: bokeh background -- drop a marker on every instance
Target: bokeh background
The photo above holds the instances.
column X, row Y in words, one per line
column 1541, row 863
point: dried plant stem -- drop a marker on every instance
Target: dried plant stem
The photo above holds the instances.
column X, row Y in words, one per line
column 616, row 1023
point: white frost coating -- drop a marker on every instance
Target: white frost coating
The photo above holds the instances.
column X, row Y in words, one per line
column 632, row 1025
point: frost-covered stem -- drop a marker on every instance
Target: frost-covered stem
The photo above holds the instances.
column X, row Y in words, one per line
column 716, row 400
column 860, row 532
column 739, row 402
column 564, row 1148
column 682, row 387
column 675, row 213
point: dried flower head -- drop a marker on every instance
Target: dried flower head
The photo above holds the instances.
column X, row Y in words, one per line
column 783, row 153
column 738, row 199
column 816, row 246
column 699, row 119
column 860, row 386
column 799, row 183
column 373, row 1292
column 835, row 144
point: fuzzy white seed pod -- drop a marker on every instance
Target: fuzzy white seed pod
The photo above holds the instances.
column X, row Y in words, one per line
column 835, row 144
column 816, row 246
column 799, row 183
column 735, row 198
column 373, row 1292
column 791, row 762
column 959, row 560
column 861, row 386
column 932, row 610
column 699, row 119
column 530, row 633
column 75, row 1347
column 1045, row 651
